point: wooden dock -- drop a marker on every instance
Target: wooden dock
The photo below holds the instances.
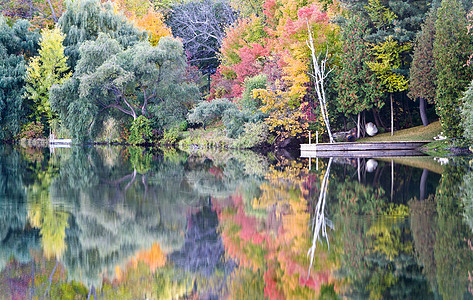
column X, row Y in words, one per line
column 60, row 143
column 373, row 149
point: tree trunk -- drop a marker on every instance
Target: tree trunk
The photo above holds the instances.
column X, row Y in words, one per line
column 423, row 180
column 423, row 112
column 392, row 179
column 378, row 120
column 392, row 115
column 358, row 127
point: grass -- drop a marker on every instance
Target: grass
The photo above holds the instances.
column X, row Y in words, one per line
column 418, row 133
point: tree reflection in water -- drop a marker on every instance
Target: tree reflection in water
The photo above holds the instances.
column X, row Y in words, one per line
column 146, row 223
column 320, row 221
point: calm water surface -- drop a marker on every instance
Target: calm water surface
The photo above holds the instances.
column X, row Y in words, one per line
column 134, row 223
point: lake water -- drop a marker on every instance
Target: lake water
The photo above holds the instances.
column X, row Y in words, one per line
column 135, row 223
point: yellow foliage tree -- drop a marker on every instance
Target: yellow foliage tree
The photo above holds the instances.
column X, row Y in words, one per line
column 285, row 118
column 142, row 13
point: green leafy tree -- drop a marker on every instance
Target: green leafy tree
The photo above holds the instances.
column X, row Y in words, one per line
column 452, row 46
column 131, row 79
column 16, row 42
column 423, row 73
column 356, row 84
column 208, row 112
column 43, row 71
column 110, row 80
column 83, row 20
column 387, row 68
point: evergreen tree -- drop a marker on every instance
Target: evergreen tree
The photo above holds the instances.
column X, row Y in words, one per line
column 15, row 42
column 400, row 19
column 423, row 74
column 452, row 46
column 85, row 19
column 43, row 71
column 355, row 82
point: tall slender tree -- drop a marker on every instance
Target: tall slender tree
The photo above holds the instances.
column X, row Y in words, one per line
column 16, row 42
column 388, row 62
column 423, row 73
column 357, row 87
column 43, row 71
column 452, row 47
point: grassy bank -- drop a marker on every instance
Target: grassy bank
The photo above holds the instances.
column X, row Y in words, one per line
column 421, row 133
column 418, row 133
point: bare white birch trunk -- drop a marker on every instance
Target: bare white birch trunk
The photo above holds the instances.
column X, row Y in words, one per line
column 319, row 76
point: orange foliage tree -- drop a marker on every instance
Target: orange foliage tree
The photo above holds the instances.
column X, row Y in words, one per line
column 144, row 16
column 275, row 45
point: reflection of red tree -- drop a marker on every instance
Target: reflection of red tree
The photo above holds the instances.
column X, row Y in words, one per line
column 248, row 244
column 279, row 241
column 216, row 171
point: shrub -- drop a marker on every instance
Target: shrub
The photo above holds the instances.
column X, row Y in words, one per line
column 234, row 120
column 254, row 134
column 140, row 131
column 208, row 112
column 32, row 130
column 182, row 126
column 257, row 82
column 171, row 136
column 467, row 112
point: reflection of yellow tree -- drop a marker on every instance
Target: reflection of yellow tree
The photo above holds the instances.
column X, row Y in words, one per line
column 388, row 238
column 51, row 222
column 286, row 197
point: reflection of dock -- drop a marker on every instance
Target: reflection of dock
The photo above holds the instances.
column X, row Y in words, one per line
column 60, row 143
column 361, row 154
column 379, row 149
